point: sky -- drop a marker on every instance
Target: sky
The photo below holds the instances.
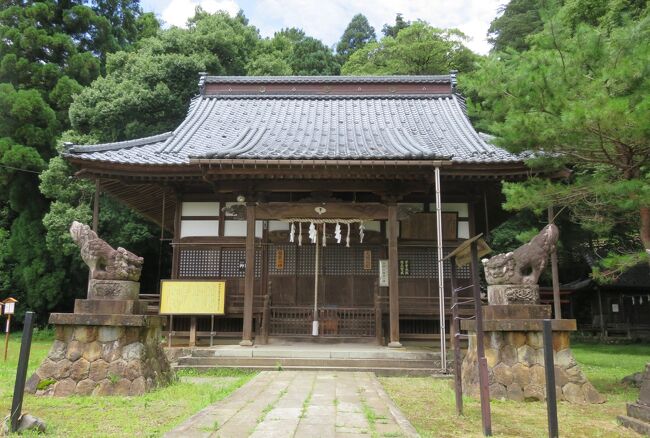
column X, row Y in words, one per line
column 327, row 19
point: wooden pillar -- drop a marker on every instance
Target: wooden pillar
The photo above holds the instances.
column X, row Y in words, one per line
column 177, row 238
column 192, row 341
column 393, row 278
column 249, row 279
column 557, row 303
column 96, row 205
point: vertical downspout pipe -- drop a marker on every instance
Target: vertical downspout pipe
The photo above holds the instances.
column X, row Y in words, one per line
column 441, row 274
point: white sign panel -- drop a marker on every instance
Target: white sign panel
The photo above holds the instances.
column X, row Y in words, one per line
column 383, row 273
column 9, row 308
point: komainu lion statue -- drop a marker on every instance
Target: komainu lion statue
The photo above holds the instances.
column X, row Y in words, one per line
column 105, row 263
column 526, row 263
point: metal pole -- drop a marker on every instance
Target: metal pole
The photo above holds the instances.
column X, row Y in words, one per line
column 549, row 369
column 441, row 274
column 455, row 339
column 21, row 372
column 314, row 328
column 557, row 304
column 484, row 387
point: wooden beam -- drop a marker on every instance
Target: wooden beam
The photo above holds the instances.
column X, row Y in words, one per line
column 393, row 278
column 286, row 210
column 249, row 279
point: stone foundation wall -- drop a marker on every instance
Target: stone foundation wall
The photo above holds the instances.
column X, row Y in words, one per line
column 516, row 368
column 102, row 360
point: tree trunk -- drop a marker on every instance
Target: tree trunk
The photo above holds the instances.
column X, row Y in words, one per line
column 645, row 228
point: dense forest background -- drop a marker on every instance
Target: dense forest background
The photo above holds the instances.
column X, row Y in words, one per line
column 567, row 80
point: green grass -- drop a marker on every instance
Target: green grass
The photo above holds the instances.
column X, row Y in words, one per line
column 150, row 415
column 429, row 403
column 371, row 417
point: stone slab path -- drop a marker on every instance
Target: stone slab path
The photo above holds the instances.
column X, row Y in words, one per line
column 302, row 404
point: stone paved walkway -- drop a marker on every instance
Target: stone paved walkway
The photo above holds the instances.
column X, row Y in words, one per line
column 302, row 404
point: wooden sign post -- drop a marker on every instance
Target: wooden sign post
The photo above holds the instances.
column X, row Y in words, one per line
column 9, row 306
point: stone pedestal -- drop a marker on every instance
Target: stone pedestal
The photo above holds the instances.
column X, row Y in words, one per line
column 513, row 294
column 638, row 414
column 514, row 350
column 113, row 290
column 107, row 347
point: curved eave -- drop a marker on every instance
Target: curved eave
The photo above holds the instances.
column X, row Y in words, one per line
column 298, row 169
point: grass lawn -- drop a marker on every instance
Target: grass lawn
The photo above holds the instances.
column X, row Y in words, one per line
column 150, row 415
column 429, row 403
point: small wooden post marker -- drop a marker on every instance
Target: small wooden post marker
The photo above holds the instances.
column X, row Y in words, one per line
column 9, row 307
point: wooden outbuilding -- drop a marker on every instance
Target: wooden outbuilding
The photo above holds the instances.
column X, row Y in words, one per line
column 368, row 181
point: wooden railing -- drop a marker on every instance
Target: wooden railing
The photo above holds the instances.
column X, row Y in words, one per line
column 153, row 303
column 347, row 321
column 333, row 321
column 424, row 306
column 291, row 321
column 234, row 303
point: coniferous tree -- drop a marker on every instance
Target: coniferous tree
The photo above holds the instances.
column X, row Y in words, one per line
column 392, row 31
column 579, row 99
column 358, row 33
column 518, row 20
column 50, row 50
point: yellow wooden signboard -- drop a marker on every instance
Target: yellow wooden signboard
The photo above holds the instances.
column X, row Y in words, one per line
column 181, row 297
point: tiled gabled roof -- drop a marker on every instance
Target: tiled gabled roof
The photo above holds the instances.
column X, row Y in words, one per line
column 278, row 126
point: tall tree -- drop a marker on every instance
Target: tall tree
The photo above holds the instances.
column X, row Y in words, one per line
column 579, row 98
column 518, row 20
column 49, row 51
column 292, row 52
column 392, row 31
column 418, row 49
column 358, row 33
column 147, row 90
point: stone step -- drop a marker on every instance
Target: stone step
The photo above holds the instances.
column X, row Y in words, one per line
column 639, row 412
column 635, row 424
column 314, row 353
column 288, row 361
column 380, row 371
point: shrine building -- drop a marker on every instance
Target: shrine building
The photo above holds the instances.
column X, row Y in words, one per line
column 364, row 181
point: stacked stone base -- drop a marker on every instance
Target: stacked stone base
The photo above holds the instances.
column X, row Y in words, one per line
column 514, row 351
column 96, row 354
column 638, row 414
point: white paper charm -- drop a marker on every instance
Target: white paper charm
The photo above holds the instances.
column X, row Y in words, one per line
column 324, row 234
column 361, row 232
column 292, row 232
column 337, row 233
column 312, row 232
column 299, row 233
column 347, row 238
